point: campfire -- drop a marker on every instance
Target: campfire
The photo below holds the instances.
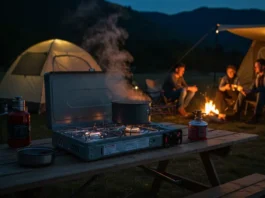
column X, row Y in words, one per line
column 212, row 113
column 210, row 108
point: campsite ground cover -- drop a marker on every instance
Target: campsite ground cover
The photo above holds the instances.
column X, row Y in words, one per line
column 244, row 159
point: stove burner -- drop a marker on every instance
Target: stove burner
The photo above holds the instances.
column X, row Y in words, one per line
column 132, row 129
column 94, row 135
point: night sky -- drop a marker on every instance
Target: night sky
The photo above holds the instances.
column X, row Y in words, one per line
column 175, row 6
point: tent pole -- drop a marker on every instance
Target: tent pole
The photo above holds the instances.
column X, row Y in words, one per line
column 216, row 53
column 194, row 46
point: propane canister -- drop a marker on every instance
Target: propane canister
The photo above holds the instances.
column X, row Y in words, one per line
column 197, row 129
column 18, row 125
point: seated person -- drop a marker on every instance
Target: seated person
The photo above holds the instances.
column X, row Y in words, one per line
column 229, row 88
column 256, row 91
column 175, row 87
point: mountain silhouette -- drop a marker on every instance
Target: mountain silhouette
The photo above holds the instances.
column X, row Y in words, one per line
column 191, row 25
column 155, row 39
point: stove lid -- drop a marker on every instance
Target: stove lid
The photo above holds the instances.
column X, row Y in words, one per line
column 76, row 99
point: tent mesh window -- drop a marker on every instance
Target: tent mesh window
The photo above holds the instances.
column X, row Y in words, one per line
column 30, row 64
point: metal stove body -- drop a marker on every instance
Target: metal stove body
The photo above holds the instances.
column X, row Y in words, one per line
column 78, row 106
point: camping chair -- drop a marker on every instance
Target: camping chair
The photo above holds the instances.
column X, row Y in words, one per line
column 160, row 103
column 253, row 105
column 230, row 103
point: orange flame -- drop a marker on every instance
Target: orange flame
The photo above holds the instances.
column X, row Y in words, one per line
column 210, row 108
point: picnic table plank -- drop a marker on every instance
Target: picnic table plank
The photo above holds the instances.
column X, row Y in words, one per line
column 73, row 168
column 10, row 155
column 230, row 187
column 257, row 189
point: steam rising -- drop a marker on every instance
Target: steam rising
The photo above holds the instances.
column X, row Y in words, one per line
column 106, row 39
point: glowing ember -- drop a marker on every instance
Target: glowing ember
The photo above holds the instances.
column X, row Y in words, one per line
column 210, row 108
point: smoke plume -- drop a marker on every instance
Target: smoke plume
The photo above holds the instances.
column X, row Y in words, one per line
column 107, row 40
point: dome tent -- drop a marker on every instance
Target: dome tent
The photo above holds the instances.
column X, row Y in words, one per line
column 25, row 77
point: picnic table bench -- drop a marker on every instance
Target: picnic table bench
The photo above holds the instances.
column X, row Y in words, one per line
column 66, row 167
column 249, row 186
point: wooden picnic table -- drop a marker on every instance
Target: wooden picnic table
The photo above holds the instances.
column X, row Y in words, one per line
column 66, row 167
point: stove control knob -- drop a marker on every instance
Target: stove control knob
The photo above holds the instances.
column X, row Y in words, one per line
column 178, row 136
column 167, row 139
column 172, row 138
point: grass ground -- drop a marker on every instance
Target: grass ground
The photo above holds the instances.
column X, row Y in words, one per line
column 244, row 159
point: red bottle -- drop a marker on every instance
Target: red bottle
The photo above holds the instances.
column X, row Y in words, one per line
column 18, row 125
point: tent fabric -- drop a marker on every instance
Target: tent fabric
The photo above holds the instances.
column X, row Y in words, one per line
column 256, row 33
column 60, row 63
column 30, row 64
column 245, row 71
column 252, row 32
column 25, row 77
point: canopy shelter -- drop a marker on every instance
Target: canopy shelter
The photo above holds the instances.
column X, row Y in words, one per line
column 25, row 77
column 256, row 33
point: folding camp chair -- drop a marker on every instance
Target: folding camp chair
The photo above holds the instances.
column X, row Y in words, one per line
column 160, row 103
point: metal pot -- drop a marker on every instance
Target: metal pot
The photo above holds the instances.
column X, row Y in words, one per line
column 134, row 112
column 197, row 129
column 35, row 156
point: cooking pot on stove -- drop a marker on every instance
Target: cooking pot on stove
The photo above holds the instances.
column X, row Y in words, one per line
column 197, row 129
column 131, row 112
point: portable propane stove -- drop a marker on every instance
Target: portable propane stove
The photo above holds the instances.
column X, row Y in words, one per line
column 91, row 143
column 79, row 112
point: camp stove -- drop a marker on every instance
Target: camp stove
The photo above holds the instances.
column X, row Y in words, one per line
column 81, row 122
column 91, row 143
